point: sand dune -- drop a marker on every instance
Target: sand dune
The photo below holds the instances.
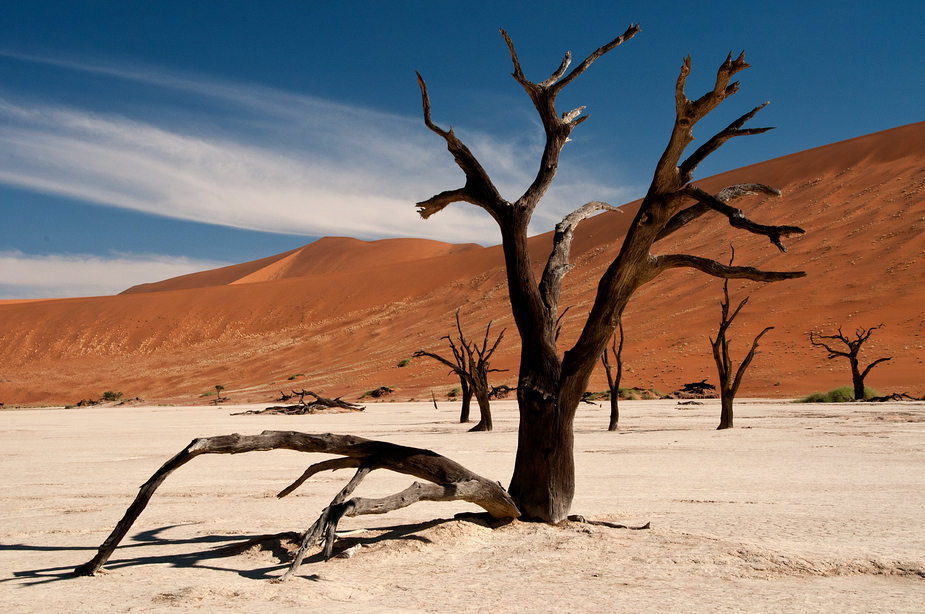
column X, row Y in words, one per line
column 339, row 314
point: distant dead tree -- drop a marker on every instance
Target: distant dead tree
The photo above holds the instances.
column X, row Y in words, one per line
column 854, row 347
column 471, row 364
column 614, row 377
column 729, row 385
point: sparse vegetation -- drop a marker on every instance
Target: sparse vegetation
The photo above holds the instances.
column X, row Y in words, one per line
column 837, row 395
column 296, row 376
column 109, row 395
column 452, row 394
column 404, row 363
column 381, row 391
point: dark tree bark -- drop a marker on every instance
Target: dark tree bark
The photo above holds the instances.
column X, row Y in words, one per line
column 614, row 377
column 472, row 365
column 450, row 481
column 549, row 385
column 861, row 336
column 729, row 385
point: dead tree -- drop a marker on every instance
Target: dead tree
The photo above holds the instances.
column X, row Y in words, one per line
column 449, row 481
column 303, row 407
column 861, row 335
column 550, row 385
column 729, row 384
column 471, row 364
column 614, row 377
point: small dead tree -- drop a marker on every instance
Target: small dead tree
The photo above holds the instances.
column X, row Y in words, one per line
column 729, row 384
column 614, row 377
column 471, row 364
column 861, row 335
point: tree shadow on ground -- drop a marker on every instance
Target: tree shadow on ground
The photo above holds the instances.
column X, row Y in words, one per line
column 280, row 546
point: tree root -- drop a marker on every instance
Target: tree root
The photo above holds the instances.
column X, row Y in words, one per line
column 449, row 481
column 612, row 525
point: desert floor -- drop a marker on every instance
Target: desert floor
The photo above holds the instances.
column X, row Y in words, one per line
column 800, row 508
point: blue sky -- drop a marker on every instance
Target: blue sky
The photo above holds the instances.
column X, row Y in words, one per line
column 144, row 140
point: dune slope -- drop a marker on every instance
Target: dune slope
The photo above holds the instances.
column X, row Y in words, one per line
column 339, row 314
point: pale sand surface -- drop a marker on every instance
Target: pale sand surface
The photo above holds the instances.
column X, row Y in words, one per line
column 801, row 508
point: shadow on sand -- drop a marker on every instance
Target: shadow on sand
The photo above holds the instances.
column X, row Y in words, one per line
column 222, row 555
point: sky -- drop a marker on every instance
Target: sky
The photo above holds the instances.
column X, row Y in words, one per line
column 144, row 140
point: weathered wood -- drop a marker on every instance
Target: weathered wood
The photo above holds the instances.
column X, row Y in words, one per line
column 319, row 404
column 455, row 481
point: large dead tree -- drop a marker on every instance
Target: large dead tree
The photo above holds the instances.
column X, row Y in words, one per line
column 729, row 384
column 471, row 364
column 614, row 375
column 861, row 335
column 550, row 385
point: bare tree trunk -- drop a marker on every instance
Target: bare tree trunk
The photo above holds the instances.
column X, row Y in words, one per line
column 481, row 389
column 466, row 400
column 725, row 416
column 857, row 381
column 613, row 379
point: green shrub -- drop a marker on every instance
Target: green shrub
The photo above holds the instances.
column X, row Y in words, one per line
column 109, row 395
column 629, row 394
column 837, row 395
column 297, row 375
column 454, row 392
column 404, row 363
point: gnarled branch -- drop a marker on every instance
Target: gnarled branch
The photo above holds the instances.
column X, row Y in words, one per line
column 726, row 195
column 479, row 190
column 737, row 218
column 557, row 266
column 734, row 129
column 723, row 271
column 453, row 481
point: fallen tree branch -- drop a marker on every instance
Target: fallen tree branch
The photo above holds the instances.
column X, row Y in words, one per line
column 450, row 481
column 300, row 408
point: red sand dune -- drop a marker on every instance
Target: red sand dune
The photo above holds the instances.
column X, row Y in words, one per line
column 344, row 312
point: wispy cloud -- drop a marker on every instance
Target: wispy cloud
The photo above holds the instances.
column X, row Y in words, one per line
column 24, row 277
column 275, row 161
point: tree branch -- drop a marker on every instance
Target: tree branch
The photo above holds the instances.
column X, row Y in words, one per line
column 685, row 216
column 479, row 190
column 557, row 266
column 686, row 168
column 714, row 268
column 737, row 218
column 874, row 364
column 456, row 482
